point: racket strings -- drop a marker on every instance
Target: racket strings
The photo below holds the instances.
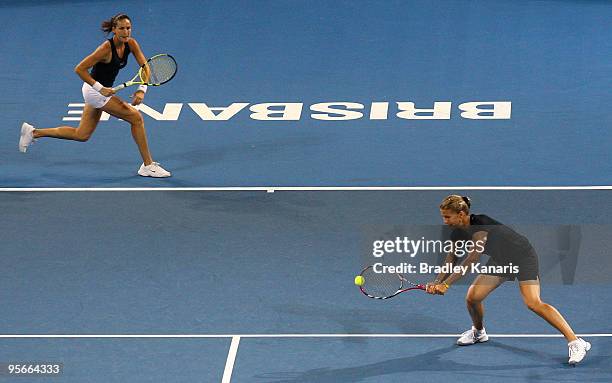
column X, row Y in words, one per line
column 161, row 69
column 381, row 284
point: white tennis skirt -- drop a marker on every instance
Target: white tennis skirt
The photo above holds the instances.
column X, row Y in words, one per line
column 93, row 97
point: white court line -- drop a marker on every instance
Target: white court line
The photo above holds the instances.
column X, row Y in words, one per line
column 305, row 188
column 231, row 358
column 195, row 336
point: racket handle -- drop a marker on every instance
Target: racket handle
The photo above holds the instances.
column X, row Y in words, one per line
column 118, row 87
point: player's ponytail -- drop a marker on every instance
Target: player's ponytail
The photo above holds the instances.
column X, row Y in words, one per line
column 456, row 203
column 108, row 25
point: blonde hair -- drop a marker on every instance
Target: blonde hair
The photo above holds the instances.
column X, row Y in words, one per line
column 456, row 203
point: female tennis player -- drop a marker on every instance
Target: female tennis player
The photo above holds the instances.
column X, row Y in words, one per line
column 106, row 62
column 511, row 257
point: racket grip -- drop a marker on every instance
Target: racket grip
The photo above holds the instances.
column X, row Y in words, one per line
column 118, row 87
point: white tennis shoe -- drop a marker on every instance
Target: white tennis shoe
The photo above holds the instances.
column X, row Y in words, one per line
column 472, row 336
column 577, row 350
column 153, row 170
column 26, row 138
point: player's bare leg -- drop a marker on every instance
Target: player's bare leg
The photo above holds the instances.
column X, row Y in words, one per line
column 120, row 109
column 482, row 286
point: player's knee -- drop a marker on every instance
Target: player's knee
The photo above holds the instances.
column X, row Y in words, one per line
column 534, row 304
column 82, row 137
column 472, row 299
column 135, row 118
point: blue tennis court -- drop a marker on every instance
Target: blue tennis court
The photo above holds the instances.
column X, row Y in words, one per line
column 161, row 293
column 548, row 59
column 296, row 131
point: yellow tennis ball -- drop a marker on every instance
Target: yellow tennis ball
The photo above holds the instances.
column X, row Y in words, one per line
column 359, row 280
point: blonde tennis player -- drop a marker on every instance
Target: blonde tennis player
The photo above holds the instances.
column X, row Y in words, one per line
column 511, row 257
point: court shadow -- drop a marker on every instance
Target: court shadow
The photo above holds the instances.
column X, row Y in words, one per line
column 590, row 361
column 436, row 360
column 531, row 353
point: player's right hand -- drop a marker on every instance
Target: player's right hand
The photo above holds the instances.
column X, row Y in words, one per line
column 440, row 288
column 107, row 92
column 430, row 288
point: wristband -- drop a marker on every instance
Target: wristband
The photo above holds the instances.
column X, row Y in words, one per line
column 446, row 284
column 97, row 86
column 142, row 88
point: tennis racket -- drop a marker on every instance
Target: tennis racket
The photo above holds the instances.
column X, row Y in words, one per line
column 158, row 70
column 385, row 285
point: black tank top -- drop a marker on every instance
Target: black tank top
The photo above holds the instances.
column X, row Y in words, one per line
column 105, row 74
column 503, row 243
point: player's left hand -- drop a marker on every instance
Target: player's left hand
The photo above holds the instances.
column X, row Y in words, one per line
column 430, row 288
column 440, row 288
column 137, row 97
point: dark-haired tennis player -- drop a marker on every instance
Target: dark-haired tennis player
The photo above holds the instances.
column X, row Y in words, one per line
column 506, row 249
column 106, row 62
